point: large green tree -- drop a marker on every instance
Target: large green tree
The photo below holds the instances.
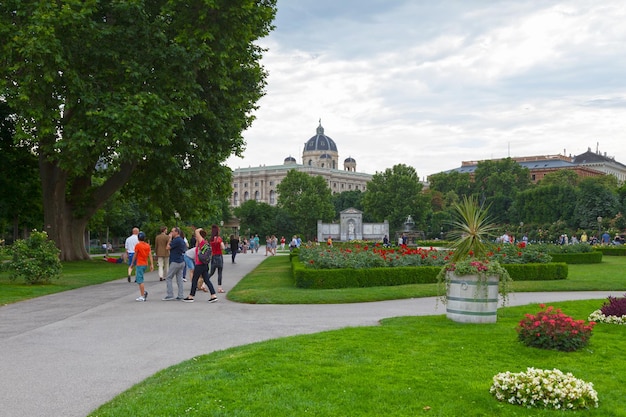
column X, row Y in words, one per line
column 394, row 194
column 496, row 182
column 346, row 200
column 445, row 182
column 305, row 199
column 153, row 95
column 598, row 197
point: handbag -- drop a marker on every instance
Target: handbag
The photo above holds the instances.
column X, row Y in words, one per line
column 204, row 253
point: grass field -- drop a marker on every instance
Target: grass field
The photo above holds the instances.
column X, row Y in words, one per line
column 407, row 366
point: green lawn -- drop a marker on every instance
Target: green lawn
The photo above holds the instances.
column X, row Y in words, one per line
column 408, row 366
column 271, row 283
column 75, row 275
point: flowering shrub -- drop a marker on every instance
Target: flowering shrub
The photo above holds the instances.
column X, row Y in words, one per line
column 473, row 266
column 551, row 329
column 544, row 388
column 613, row 312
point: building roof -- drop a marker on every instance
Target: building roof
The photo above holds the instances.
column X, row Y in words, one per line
column 320, row 142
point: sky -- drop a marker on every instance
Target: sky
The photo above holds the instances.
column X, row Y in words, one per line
column 432, row 83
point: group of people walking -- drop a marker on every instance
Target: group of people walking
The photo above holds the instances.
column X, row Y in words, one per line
column 175, row 255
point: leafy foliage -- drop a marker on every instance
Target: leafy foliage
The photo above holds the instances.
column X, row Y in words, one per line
column 306, row 200
column 614, row 307
column 393, row 195
column 148, row 97
column 471, row 230
column 35, row 259
column 20, row 188
column 551, row 329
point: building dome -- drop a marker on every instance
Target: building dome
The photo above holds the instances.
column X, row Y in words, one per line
column 320, row 142
column 290, row 160
column 349, row 164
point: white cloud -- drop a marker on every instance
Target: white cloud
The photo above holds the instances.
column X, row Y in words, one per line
column 431, row 84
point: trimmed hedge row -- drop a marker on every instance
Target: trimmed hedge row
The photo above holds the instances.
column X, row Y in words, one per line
column 612, row 250
column 377, row 277
column 537, row 272
column 594, row 257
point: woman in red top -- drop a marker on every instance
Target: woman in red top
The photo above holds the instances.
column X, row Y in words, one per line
column 217, row 260
column 200, row 269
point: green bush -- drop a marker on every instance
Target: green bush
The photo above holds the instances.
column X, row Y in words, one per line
column 537, row 272
column 36, row 259
column 612, row 250
column 594, row 257
column 359, row 278
column 375, row 277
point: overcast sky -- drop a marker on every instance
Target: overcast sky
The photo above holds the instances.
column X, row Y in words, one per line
column 433, row 83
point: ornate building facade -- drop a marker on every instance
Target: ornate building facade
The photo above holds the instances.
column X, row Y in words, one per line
column 319, row 157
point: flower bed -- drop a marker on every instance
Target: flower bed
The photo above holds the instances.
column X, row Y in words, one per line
column 544, row 389
column 374, row 256
column 551, row 329
column 363, row 265
column 613, row 312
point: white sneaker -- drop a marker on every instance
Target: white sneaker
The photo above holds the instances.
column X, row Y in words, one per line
column 140, row 299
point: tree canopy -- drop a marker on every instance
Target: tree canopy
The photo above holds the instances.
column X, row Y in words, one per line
column 150, row 96
column 305, row 199
column 394, row 194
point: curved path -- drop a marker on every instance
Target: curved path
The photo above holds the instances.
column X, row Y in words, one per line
column 66, row 354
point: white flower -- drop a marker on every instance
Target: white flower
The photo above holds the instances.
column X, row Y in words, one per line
column 546, row 388
column 599, row 317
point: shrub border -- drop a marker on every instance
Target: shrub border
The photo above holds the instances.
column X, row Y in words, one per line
column 377, row 277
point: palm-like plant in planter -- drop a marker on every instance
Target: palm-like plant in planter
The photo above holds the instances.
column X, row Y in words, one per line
column 471, row 280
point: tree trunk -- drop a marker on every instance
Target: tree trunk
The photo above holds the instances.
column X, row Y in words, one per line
column 59, row 222
column 61, row 219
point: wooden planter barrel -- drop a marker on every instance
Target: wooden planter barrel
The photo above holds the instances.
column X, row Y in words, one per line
column 470, row 300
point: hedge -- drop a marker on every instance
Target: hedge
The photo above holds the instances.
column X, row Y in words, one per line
column 612, row 250
column 376, row 277
column 594, row 257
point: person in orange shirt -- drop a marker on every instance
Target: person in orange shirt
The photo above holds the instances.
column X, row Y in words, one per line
column 143, row 254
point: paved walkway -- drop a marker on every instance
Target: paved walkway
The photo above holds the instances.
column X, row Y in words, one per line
column 66, row 354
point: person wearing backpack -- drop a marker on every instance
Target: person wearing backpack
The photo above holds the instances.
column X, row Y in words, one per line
column 217, row 258
column 201, row 267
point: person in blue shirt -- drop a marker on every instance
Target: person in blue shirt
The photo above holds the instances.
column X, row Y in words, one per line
column 177, row 248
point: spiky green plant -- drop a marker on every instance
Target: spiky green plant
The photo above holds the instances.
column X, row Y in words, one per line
column 471, row 230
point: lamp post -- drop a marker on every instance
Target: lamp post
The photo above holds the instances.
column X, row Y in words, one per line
column 599, row 227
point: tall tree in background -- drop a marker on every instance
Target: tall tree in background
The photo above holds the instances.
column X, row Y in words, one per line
column 446, row 182
column 598, row 197
column 496, row 182
column 394, row 194
column 306, row 200
column 152, row 96
column 347, row 199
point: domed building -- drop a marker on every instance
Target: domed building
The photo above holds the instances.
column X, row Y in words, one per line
column 319, row 157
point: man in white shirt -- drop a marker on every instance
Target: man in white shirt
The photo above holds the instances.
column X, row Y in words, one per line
column 131, row 242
